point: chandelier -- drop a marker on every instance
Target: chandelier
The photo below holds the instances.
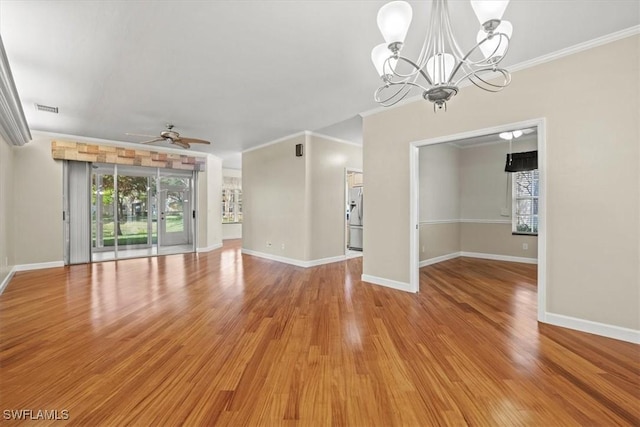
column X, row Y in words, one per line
column 442, row 65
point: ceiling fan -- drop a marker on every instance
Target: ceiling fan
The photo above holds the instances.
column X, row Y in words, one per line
column 170, row 135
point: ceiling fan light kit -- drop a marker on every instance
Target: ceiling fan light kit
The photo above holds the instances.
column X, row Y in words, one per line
column 172, row 137
column 441, row 66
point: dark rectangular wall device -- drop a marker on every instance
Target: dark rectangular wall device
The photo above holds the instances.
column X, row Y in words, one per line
column 298, row 150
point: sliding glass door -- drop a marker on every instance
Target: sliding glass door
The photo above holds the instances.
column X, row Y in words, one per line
column 138, row 211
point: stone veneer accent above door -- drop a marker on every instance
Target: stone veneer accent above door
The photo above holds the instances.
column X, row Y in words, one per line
column 83, row 152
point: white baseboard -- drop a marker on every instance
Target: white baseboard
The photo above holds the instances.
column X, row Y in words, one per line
column 292, row 261
column 480, row 255
column 402, row 286
column 322, row 261
column 6, row 280
column 38, row 266
column 209, row 248
column 499, row 257
column 438, row 259
column 596, row 328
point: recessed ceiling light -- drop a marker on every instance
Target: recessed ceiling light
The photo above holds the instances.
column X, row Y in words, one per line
column 47, row 108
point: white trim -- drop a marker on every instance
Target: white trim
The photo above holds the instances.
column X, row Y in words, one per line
column 497, row 257
column 466, row 221
column 323, row 261
column 527, row 138
column 485, row 221
column 276, row 141
column 414, row 180
column 6, row 280
column 209, row 248
column 618, row 35
column 440, row 258
column 439, row 221
column 414, row 214
column 334, row 139
column 590, row 44
column 296, row 262
column 401, row 286
column 602, row 329
column 38, row 266
column 353, row 254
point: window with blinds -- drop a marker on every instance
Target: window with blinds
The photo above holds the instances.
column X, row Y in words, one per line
column 525, row 202
column 231, row 200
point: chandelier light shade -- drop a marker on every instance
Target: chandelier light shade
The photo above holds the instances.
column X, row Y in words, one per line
column 441, row 66
column 487, row 10
column 494, row 47
column 393, row 21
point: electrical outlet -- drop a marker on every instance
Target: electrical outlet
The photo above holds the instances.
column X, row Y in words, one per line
column 525, row 246
column 283, row 246
column 268, row 244
column 422, row 248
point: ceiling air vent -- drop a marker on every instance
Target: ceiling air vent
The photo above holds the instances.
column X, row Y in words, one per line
column 47, row 108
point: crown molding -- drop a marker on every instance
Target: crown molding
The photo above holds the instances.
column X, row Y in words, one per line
column 334, row 139
column 276, row 141
column 580, row 47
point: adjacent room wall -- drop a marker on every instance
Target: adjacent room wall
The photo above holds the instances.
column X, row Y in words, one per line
column 485, row 190
column 593, row 207
column 328, row 160
column 232, row 231
column 37, row 203
column 439, row 201
column 209, row 207
column 297, row 204
column 6, row 211
column 274, row 200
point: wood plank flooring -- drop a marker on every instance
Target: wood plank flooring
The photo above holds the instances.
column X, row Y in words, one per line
column 222, row 338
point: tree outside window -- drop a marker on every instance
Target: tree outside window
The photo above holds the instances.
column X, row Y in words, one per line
column 525, row 202
column 231, row 200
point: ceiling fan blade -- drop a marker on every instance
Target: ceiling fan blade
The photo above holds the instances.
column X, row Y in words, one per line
column 151, row 141
column 181, row 143
column 139, row 134
column 194, row 141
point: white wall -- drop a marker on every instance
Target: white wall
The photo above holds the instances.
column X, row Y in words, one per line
column 273, row 195
column 593, row 198
column 209, row 206
column 328, row 161
column 37, row 203
column 6, row 210
column 439, row 182
column 297, row 203
column 484, row 186
column 439, row 201
column 485, row 191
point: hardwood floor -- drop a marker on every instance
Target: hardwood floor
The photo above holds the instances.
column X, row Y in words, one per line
column 222, row 338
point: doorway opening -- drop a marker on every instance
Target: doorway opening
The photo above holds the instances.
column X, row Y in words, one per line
column 354, row 206
column 487, row 204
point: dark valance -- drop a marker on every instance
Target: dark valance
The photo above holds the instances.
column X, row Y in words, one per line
column 520, row 162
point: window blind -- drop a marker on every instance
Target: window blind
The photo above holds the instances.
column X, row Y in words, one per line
column 521, row 162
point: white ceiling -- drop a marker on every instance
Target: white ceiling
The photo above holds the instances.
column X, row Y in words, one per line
column 240, row 73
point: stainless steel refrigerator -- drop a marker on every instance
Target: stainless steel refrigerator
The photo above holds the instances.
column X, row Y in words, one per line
column 355, row 218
